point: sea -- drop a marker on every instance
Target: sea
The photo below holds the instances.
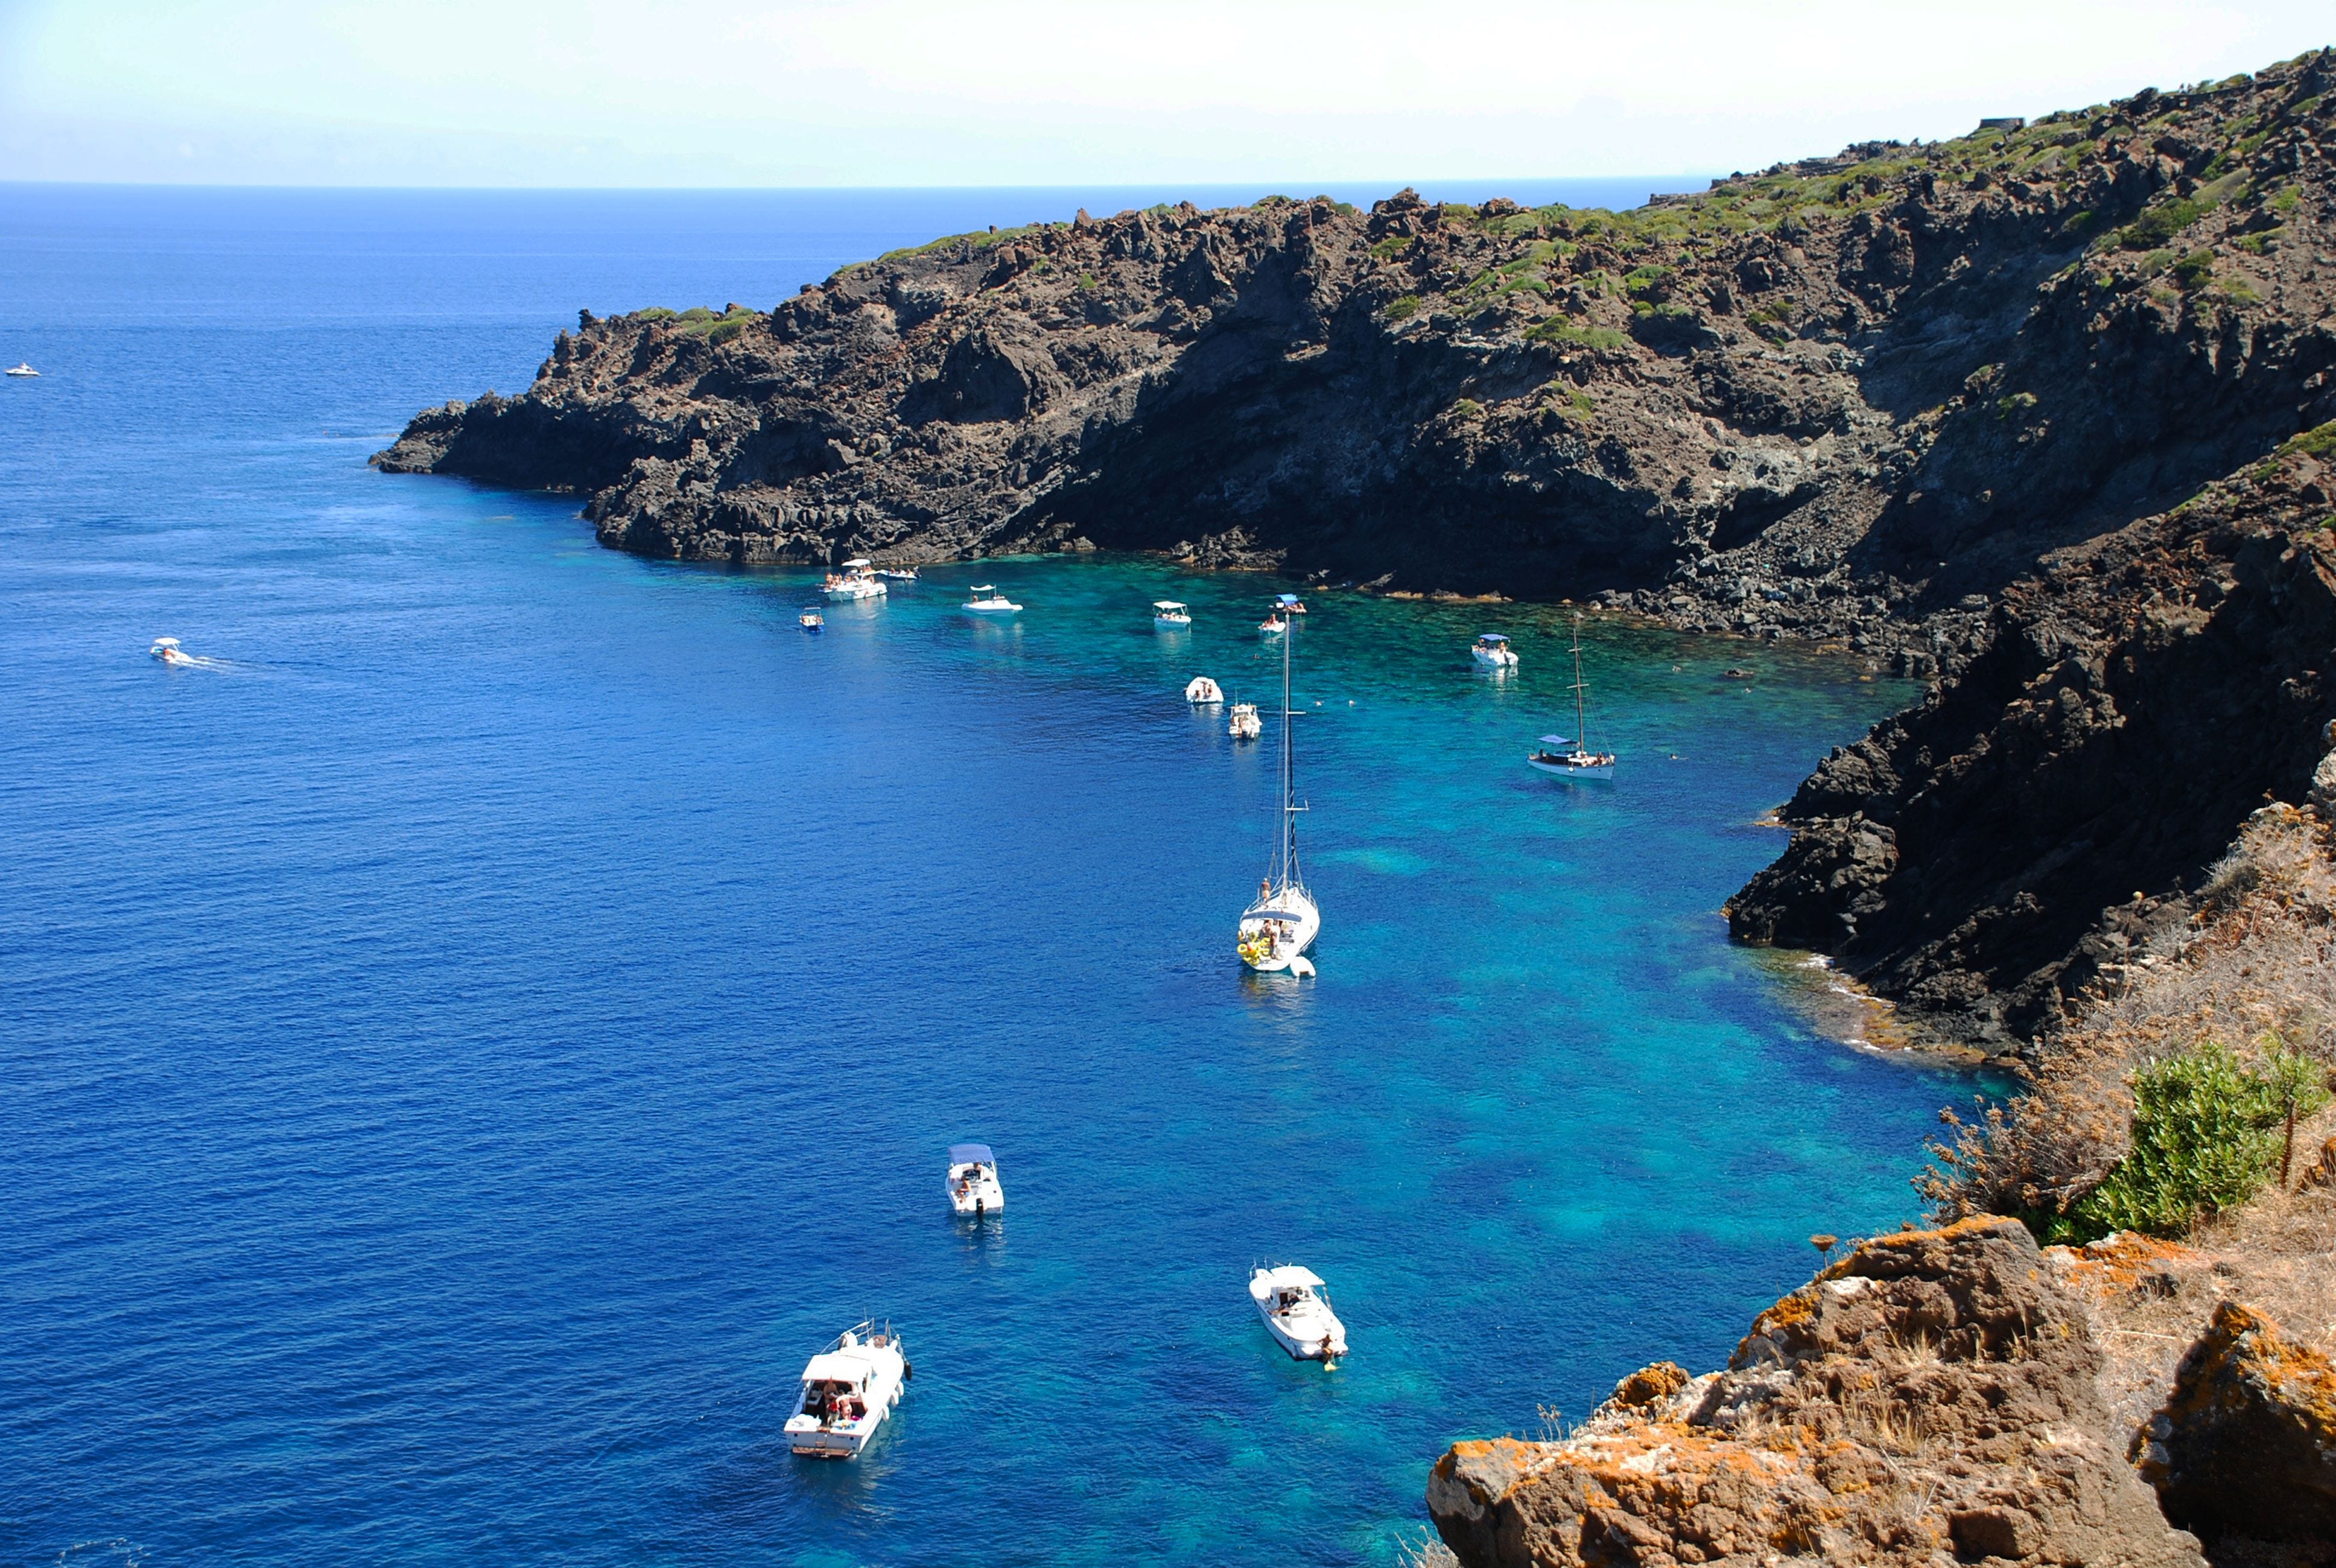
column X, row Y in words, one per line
column 469, row 1037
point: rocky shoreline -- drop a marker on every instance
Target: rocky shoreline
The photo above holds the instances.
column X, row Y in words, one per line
column 1887, row 399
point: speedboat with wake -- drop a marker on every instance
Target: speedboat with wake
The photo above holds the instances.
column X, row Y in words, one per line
column 1278, row 928
column 973, row 1186
column 1570, row 756
column 1203, row 692
column 985, row 599
column 857, row 580
column 847, row 1390
column 1296, row 1307
column 167, row 649
column 1494, row 652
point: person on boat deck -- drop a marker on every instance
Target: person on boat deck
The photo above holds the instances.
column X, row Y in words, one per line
column 1264, row 888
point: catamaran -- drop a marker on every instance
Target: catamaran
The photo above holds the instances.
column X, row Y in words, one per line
column 1570, row 756
column 1277, row 929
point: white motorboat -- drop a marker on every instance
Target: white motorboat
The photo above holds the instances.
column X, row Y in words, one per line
column 1296, row 1307
column 166, row 648
column 1494, row 652
column 22, row 368
column 1274, row 624
column 811, row 620
column 986, row 600
column 856, row 579
column 1570, row 756
column 1167, row 615
column 1282, row 923
column 898, row 573
column 1245, row 725
column 973, row 1186
column 847, row 1390
column 1203, row 692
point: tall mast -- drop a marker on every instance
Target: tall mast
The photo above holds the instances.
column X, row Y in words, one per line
column 1288, row 762
column 1580, row 720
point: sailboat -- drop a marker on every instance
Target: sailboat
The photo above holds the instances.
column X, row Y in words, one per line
column 1278, row 928
column 1570, row 756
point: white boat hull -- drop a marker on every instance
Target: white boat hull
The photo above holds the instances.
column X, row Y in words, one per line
column 1300, row 921
column 1309, row 1332
column 993, row 610
column 855, row 591
column 833, row 1436
column 1504, row 660
column 977, row 1199
column 1204, row 692
column 1604, row 770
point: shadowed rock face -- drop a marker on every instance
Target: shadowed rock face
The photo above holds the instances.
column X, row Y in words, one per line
column 1930, row 1399
column 1891, row 396
column 1978, row 856
column 2246, row 1447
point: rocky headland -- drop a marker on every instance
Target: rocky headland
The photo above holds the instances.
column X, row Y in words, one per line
column 1944, row 402
column 2042, row 415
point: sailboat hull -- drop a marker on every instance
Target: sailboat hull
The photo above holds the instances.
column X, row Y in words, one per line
column 1571, row 770
column 1293, row 911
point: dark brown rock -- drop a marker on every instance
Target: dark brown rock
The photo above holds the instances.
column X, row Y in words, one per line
column 2247, row 1445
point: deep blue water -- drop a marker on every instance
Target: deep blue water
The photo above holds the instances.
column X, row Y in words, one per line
column 458, row 1057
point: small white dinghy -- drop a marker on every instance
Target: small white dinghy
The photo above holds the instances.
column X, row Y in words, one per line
column 1167, row 615
column 1493, row 651
column 985, row 599
column 973, row 1187
column 1203, row 692
column 1296, row 1307
column 847, row 1390
column 1245, row 725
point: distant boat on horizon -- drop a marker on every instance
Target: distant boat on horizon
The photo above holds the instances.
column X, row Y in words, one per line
column 22, row 368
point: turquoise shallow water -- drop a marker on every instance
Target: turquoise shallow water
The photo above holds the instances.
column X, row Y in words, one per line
column 459, row 1057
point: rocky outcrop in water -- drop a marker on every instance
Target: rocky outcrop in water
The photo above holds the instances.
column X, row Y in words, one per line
column 1929, row 1399
column 1894, row 396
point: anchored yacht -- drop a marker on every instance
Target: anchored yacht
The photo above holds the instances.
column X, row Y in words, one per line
column 847, row 1390
column 1278, row 928
column 985, row 599
column 1245, row 725
column 1570, row 756
column 1494, row 652
column 1167, row 615
column 810, row 619
column 1296, row 1307
column 22, row 368
column 973, row 1186
column 857, row 580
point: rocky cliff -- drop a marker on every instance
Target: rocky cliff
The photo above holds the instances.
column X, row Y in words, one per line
column 1878, row 396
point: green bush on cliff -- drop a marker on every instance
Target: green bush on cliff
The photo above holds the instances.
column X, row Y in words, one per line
column 2317, row 442
column 2194, row 271
column 1402, row 308
column 2206, row 1133
column 1560, row 331
column 2160, row 224
column 654, row 313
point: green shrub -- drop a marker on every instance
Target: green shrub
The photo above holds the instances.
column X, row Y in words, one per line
column 2018, row 402
column 1402, row 308
column 2194, row 271
column 697, row 313
column 1559, row 330
column 1466, row 408
column 1389, row 245
column 654, row 313
column 2319, row 441
column 2206, row 1131
column 724, row 331
column 2160, row 224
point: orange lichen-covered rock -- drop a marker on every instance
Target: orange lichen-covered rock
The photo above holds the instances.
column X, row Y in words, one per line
column 1928, row 1398
column 2247, row 1440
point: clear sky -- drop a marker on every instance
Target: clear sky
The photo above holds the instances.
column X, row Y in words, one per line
column 728, row 92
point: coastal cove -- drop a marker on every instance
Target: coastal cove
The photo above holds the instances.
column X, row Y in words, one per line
column 464, row 1052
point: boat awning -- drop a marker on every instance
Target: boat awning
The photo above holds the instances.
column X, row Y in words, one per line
column 978, row 589
column 1290, row 1275
column 1557, row 740
column 835, row 1366
column 1285, row 598
column 857, row 560
column 1492, row 637
column 1167, row 604
column 972, row 1155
